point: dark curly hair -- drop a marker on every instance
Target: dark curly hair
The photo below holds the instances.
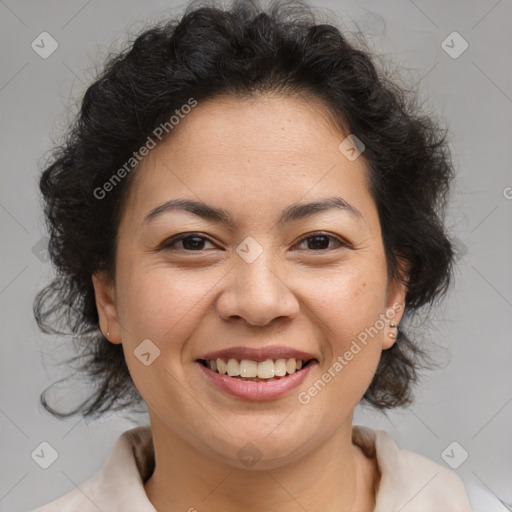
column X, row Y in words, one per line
column 243, row 50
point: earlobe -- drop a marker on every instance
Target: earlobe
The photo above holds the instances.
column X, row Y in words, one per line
column 104, row 293
column 397, row 293
column 390, row 335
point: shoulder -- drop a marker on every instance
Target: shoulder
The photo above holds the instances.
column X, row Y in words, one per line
column 119, row 483
column 410, row 482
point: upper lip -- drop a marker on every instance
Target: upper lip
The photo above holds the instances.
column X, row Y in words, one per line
column 258, row 354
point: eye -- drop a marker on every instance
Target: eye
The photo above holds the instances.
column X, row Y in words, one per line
column 196, row 242
column 320, row 241
column 190, row 242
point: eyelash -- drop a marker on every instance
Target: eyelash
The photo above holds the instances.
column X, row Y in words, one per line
column 167, row 245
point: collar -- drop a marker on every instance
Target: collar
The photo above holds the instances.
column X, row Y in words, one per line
column 409, row 482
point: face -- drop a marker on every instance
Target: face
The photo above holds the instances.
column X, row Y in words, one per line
column 315, row 283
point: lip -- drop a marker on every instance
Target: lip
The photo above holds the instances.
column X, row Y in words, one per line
column 258, row 354
column 257, row 391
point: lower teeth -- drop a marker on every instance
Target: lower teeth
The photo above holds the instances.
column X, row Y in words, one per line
column 256, row 379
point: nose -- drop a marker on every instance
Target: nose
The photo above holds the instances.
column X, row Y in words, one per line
column 257, row 293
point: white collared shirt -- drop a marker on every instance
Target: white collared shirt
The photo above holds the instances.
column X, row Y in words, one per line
column 409, row 481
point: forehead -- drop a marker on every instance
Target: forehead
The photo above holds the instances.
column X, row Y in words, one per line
column 250, row 155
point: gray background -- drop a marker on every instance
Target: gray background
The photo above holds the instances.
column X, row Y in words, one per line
column 468, row 401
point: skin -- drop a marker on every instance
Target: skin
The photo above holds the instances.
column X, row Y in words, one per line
column 252, row 158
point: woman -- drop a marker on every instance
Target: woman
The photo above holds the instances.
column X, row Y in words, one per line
column 244, row 217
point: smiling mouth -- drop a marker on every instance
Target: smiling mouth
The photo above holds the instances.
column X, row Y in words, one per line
column 265, row 371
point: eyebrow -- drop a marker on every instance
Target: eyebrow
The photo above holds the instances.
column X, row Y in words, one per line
column 291, row 213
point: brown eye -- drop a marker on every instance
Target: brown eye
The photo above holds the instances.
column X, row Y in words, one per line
column 193, row 243
column 320, row 241
column 189, row 242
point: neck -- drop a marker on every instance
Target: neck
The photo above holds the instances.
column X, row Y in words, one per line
column 334, row 476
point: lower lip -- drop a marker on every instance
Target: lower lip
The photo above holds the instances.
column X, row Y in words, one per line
column 258, row 391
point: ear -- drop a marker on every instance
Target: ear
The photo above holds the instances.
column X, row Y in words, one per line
column 104, row 292
column 395, row 308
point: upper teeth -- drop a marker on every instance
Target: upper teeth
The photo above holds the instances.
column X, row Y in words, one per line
column 263, row 370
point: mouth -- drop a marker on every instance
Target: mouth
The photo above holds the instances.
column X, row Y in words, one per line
column 259, row 378
column 257, row 371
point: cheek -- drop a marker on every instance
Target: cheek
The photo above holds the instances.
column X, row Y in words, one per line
column 346, row 301
column 161, row 304
column 165, row 307
column 348, row 306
